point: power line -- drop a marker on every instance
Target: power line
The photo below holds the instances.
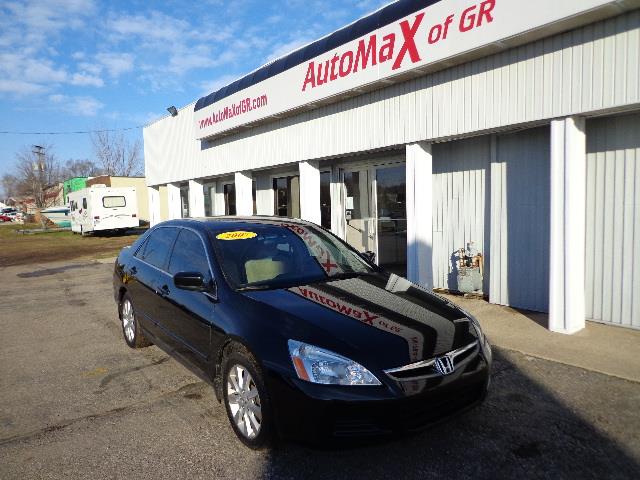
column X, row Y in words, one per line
column 79, row 132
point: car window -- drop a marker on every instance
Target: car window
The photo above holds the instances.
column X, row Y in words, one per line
column 189, row 254
column 140, row 250
column 158, row 246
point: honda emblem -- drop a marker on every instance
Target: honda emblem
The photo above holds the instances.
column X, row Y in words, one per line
column 444, row 365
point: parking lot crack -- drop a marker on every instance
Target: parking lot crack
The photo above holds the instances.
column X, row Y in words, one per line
column 97, row 416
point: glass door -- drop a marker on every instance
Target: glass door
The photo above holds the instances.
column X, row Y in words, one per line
column 287, row 196
column 359, row 218
column 391, row 218
column 376, row 214
column 184, row 201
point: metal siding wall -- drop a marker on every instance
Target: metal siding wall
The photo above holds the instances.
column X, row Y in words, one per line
column 460, row 203
column 520, row 221
column 584, row 70
column 613, row 220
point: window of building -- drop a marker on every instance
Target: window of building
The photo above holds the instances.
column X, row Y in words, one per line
column 184, row 201
column 209, row 198
column 287, row 196
column 253, row 193
column 229, row 199
column 325, row 199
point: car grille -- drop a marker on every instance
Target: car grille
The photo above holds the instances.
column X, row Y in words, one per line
column 426, row 369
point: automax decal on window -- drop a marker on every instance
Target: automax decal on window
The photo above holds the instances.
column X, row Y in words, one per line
column 324, row 256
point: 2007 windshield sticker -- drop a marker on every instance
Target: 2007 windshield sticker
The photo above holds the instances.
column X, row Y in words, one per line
column 236, row 235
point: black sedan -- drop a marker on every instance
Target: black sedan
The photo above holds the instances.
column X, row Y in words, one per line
column 299, row 334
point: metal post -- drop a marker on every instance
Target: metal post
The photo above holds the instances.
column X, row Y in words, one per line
column 568, row 227
column 244, row 193
column 419, row 214
column 310, row 192
column 196, row 199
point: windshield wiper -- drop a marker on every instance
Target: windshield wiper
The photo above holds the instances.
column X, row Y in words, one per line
column 255, row 287
column 346, row 275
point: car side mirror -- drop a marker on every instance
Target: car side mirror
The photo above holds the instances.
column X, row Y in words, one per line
column 192, row 281
column 369, row 256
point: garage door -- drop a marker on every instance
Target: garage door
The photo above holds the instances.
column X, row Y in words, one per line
column 520, row 220
column 613, row 220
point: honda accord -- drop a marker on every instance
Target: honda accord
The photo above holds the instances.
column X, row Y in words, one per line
column 300, row 335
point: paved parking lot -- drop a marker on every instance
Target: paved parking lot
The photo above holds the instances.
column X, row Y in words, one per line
column 76, row 402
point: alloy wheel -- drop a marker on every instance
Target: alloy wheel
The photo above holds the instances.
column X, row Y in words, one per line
column 243, row 400
column 128, row 320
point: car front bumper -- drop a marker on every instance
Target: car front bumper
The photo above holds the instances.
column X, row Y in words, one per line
column 310, row 412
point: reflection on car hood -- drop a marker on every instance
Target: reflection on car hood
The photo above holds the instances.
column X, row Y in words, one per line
column 384, row 315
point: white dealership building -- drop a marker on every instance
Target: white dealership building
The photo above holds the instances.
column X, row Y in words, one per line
column 429, row 125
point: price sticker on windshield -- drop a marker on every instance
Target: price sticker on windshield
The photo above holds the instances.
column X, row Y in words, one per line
column 236, row 235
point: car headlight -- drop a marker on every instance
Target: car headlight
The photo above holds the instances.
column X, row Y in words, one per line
column 317, row 365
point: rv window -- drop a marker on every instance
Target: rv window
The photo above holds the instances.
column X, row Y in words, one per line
column 113, row 202
column 84, row 203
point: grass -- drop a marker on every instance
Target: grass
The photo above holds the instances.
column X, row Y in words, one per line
column 18, row 249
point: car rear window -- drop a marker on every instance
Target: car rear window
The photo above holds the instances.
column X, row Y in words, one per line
column 156, row 251
column 114, row 202
column 189, row 254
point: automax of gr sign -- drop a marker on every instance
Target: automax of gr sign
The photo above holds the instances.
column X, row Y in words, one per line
column 438, row 32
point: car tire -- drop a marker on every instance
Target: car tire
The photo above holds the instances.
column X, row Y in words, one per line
column 131, row 329
column 246, row 399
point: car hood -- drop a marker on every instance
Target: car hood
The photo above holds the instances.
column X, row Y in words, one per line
column 380, row 318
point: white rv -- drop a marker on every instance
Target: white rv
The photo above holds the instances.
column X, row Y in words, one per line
column 99, row 208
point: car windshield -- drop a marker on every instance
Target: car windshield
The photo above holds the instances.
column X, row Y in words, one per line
column 263, row 256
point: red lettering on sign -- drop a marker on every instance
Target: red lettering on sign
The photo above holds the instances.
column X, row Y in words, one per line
column 409, row 45
column 363, row 56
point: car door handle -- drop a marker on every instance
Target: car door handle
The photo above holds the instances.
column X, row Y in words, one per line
column 163, row 291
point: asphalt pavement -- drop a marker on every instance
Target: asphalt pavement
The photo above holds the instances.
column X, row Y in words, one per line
column 76, row 402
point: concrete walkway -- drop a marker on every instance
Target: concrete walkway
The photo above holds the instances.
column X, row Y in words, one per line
column 601, row 348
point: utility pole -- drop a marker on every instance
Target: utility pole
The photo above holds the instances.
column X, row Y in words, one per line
column 39, row 168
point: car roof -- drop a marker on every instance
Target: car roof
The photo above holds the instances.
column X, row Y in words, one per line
column 224, row 223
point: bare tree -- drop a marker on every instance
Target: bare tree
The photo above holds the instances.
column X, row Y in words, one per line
column 38, row 172
column 81, row 168
column 9, row 184
column 116, row 154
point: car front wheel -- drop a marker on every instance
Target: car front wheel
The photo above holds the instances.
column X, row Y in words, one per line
column 246, row 400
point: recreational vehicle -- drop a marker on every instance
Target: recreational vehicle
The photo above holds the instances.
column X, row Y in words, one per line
column 99, row 208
